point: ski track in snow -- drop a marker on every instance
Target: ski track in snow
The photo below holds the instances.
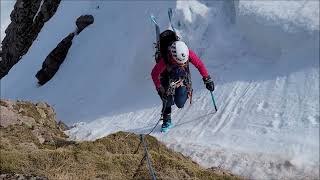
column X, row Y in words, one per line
column 267, row 81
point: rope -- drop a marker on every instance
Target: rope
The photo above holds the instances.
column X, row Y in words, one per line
column 162, row 112
column 154, row 127
column 152, row 173
column 142, row 140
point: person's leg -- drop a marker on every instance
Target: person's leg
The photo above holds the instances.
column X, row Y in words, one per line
column 181, row 96
column 166, row 124
column 167, row 109
column 166, row 105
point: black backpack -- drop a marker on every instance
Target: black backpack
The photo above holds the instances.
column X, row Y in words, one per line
column 167, row 37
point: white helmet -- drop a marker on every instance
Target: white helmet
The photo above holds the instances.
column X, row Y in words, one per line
column 179, row 51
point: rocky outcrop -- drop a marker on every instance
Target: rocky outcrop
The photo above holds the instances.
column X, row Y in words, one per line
column 38, row 119
column 53, row 61
column 84, row 21
column 56, row 57
column 34, row 147
column 27, row 19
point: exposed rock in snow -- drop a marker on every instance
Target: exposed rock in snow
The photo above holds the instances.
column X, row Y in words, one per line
column 56, row 57
column 84, row 21
column 26, row 23
column 53, row 61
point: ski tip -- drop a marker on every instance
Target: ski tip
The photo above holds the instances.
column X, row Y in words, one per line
column 153, row 19
column 170, row 12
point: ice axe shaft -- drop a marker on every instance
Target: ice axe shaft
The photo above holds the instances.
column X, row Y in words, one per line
column 214, row 102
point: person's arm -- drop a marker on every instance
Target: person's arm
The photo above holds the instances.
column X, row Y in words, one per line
column 195, row 60
column 156, row 71
column 202, row 69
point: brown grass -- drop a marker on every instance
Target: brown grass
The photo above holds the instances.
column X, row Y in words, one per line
column 117, row 156
column 106, row 158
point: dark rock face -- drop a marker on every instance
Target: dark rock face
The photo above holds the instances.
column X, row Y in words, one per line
column 1, row 53
column 27, row 19
column 84, row 21
column 53, row 61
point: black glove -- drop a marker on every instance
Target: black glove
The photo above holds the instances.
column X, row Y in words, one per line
column 209, row 83
column 162, row 93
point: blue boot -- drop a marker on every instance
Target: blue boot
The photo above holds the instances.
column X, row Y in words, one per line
column 166, row 125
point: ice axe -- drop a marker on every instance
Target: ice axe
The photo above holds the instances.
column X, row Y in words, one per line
column 214, row 102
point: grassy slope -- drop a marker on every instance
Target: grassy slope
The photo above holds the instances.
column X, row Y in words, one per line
column 117, row 156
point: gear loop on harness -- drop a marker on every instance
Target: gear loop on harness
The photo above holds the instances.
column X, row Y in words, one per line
column 173, row 85
column 180, row 80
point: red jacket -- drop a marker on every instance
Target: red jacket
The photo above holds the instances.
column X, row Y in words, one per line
column 161, row 66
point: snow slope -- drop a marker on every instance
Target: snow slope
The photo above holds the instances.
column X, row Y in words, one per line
column 263, row 56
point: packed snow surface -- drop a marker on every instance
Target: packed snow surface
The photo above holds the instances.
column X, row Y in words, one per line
column 263, row 56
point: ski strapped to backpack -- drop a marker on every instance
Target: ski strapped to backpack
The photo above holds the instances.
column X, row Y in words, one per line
column 164, row 39
column 170, row 17
column 157, row 43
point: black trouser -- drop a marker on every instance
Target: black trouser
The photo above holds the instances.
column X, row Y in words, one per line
column 179, row 97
